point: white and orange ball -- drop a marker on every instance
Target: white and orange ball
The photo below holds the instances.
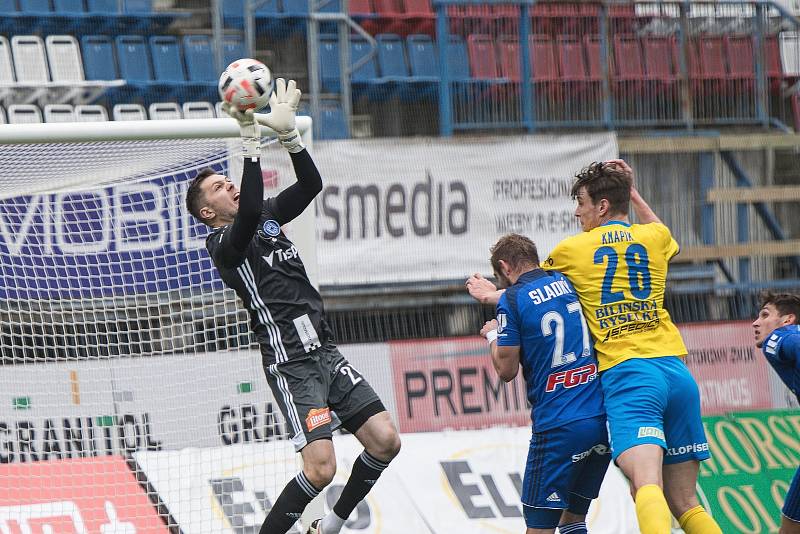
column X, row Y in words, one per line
column 246, row 84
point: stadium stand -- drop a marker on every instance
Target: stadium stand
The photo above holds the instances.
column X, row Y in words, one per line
column 129, row 112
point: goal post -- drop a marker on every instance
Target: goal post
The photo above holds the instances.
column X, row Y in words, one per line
column 120, row 345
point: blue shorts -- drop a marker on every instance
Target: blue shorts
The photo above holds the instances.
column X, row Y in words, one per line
column 654, row 400
column 565, row 469
column 791, row 506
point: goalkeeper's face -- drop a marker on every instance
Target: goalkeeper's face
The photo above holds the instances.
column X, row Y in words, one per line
column 221, row 200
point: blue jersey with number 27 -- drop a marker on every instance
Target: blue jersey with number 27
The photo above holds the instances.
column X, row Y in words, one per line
column 541, row 314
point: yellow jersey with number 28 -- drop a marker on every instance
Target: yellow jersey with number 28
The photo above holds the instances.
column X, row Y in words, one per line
column 619, row 271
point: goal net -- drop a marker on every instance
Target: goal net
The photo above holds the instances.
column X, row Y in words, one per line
column 133, row 399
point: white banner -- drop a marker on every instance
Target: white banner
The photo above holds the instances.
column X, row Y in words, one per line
column 99, row 407
column 396, row 210
column 442, row 482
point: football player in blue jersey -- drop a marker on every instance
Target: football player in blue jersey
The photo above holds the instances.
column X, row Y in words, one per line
column 777, row 333
column 540, row 327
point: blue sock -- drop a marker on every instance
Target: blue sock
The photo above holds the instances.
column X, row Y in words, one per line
column 573, row 528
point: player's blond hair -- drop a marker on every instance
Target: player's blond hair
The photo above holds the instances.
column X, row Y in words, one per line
column 604, row 181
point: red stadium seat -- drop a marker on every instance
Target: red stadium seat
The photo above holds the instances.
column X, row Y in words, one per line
column 741, row 62
column 482, row 58
column 711, row 53
column 419, row 17
column 772, row 52
column 389, row 17
column 362, row 12
column 628, row 59
column 469, row 19
column 594, row 64
column 571, row 60
column 661, row 58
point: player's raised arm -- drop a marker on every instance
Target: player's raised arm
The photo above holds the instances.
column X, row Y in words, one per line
column 251, row 193
column 282, row 118
column 644, row 213
column 483, row 290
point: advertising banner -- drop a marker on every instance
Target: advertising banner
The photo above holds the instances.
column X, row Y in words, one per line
column 754, row 457
column 731, row 372
column 117, row 406
column 80, row 496
column 451, row 384
column 428, row 209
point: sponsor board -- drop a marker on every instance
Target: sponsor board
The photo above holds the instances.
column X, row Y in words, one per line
column 80, row 496
column 420, row 214
column 451, row 384
column 730, row 371
column 93, row 408
column 754, row 456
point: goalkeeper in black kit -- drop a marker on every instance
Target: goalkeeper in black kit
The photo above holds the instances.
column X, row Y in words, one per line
column 314, row 385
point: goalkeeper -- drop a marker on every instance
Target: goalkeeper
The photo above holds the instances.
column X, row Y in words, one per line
column 315, row 386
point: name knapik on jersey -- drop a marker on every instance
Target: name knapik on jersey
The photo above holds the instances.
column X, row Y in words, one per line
column 616, row 236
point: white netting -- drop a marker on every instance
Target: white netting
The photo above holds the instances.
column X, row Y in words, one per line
column 118, row 339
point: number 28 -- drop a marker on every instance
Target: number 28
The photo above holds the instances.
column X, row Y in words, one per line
column 638, row 272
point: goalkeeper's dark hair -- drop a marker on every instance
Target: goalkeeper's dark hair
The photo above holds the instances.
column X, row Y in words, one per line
column 604, row 181
column 785, row 303
column 194, row 195
column 516, row 250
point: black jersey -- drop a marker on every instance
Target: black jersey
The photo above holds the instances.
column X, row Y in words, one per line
column 286, row 311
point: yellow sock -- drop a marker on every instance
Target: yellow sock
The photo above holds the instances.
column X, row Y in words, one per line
column 652, row 510
column 697, row 521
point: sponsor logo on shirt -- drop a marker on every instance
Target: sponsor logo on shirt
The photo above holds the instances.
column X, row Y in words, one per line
column 502, row 322
column 685, row 449
column 553, row 497
column 600, row 449
column 271, row 228
column 571, row 377
column 650, row 432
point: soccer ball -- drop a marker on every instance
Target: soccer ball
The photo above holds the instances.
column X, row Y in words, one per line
column 246, row 84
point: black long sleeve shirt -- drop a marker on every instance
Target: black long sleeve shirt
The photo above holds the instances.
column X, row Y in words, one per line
column 256, row 259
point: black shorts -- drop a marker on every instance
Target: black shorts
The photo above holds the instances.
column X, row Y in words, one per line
column 319, row 393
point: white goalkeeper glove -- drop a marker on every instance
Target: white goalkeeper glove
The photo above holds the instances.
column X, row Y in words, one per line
column 248, row 129
column 283, row 107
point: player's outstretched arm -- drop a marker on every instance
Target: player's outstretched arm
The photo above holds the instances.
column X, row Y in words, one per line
column 252, row 191
column 283, row 103
column 644, row 213
column 483, row 290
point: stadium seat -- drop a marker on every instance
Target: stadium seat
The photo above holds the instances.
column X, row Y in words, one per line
column 233, row 13
column 419, row 17
column 167, row 62
column 90, row 113
column 571, row 60
column 6, row 63
column 164, row 111
column 138, row 6
column 389, row 17
column 330, row 73
column 457, row 59
column 363, row 13
column 134, row 61
column 628, row 61
column 422, row 56
column 790, row 54
column 741, row 60
column 34, row 6
column 232, row 49
column 64, row 57
column 129, row 112
column 594, row 63
column 30, row 64
column 197, row 110
column 199, row 58
column 59, row 113
column 98, row 58
column 70, row 16
column 661, row 59
column 296, row 8
column 35, row 17
column 482, row 57
column 24, row 114
column 364, row 79
column 71, row 7
column 332, row 123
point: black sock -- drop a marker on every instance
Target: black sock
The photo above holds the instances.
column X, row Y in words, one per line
column 289, row 506
column 366, row 470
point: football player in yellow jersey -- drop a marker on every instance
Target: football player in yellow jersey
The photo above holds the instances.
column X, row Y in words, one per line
column 652, row 402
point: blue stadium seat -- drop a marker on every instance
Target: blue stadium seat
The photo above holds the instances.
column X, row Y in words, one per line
column 167, row 63
column 71, row 7
column 8, row 18
column 332, row 124
column 330, row 74
column 138, row 6
column 394, row 67
column 34, row 6
column 109, row 7
column 35, row 16
column 295, row 8
column 98, row 58
column 134, row 65
column 233, row 13
column 458, row 59
column 423, row 56
column 232, row 49
column 8, row 7
column 199, row 58
column 364, row 79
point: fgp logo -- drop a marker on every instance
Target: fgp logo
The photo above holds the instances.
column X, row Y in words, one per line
column 572, row 377
column 271, row 228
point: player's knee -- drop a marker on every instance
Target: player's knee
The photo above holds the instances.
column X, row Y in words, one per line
column 321, row 471
column 388, row 446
